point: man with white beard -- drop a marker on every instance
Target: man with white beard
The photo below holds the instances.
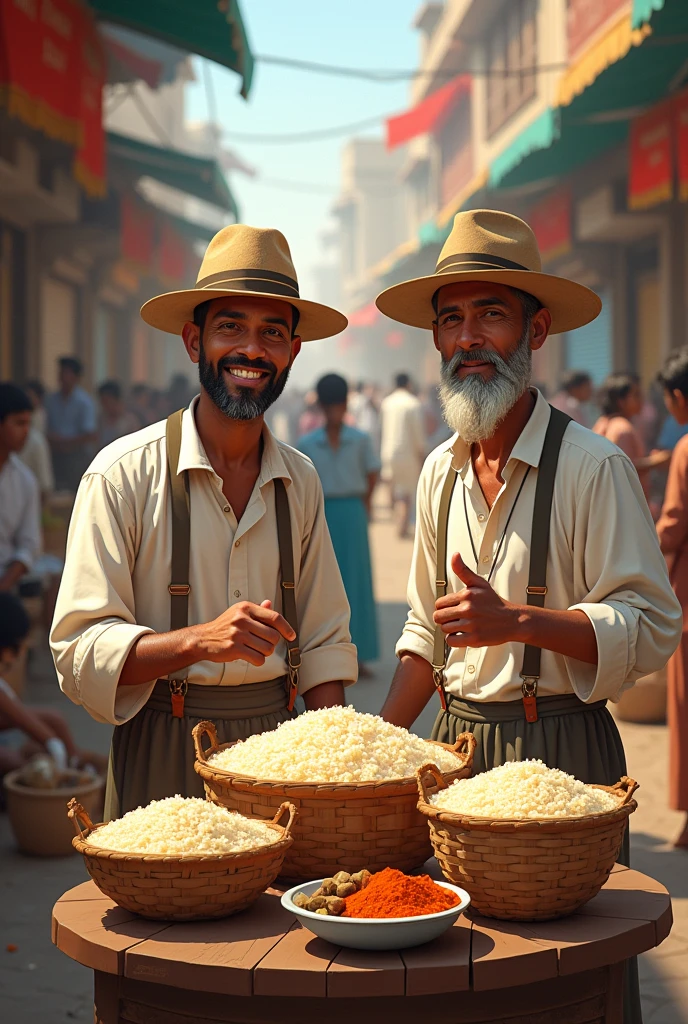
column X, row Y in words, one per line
column 537, row 589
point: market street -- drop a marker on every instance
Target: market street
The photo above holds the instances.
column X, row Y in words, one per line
column 38, row 984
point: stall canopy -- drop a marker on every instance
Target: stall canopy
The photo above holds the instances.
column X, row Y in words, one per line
column 205, row 27
column 599, row 115
column 198, row 176
column 132, row 57
column 429, row 115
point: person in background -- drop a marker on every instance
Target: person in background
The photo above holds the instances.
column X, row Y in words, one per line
column 141, row 404
column 20, row 515
column 36, row 393
column 115, row 419
column 403, row 447
column 72, row 425
column 365, row 414
column 671, row 433
column 672, row 530
column 311, row 418
column 36, row 452
column 621, row 399
column 44, row 729
column 572, row 396
column 348, row 469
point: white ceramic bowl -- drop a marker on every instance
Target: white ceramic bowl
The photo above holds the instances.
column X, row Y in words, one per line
column 373, row 932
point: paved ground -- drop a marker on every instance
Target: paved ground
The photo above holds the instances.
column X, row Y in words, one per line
column 38, row 985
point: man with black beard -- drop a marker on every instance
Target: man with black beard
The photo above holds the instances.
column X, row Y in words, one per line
column 537, row 590
column 200, row 580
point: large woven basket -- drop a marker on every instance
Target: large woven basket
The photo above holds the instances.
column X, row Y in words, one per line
column 339, row 827
column 182, row 888
column 530, row 869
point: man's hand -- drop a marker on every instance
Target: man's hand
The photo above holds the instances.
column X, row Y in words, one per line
column 476, row 616
column 245, row 632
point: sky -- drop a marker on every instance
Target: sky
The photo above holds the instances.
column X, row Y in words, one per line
column 358, row 33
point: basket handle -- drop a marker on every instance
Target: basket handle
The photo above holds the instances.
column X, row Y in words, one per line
column 627, row 786
column 198, row 732
column 77, row 812
column 424, row 775
column 293, row 814
column 464, row 746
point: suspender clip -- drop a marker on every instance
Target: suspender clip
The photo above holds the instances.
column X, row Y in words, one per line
column 179, row 589
column 529, row 691
column 438, row 680
column 178, row 691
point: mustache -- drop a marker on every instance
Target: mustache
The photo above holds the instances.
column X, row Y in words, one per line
column 476, row 356
column 249, row 364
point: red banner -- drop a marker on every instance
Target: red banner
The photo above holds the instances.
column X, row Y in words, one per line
column 137, row 233
column 51, row 76
column 550, row 219
column 173, row 255
column 651, row 171
column 681, row 136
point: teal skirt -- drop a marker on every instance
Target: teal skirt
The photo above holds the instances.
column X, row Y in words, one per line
column 348, row 523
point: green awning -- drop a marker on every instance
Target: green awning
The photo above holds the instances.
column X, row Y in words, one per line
column 208, row 28
column 430, row 234
column 199, row 176
column 643, row 11
column 599, row 117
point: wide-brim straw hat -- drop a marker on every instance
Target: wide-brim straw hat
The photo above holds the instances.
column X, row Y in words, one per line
column 241, row 260
column 488, row 245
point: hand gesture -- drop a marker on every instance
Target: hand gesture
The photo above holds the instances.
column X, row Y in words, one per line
column 475, row 616
column 245, row 632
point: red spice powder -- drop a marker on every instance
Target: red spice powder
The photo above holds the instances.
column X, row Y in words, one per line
column 391, row 893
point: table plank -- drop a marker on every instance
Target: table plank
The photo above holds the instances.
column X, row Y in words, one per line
column 211, row 956
column 363, row 972
column 645, row 906
column 505, row 953
column 85, row 891
column 585, row 942
column 443, row 965
column 296, row 966
column 630, row 879
column 97, row 934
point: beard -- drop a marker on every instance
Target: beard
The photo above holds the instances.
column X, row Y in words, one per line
column 474, row 406
column 247, row 404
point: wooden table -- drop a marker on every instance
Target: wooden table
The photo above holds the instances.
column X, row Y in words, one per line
column 262, row 966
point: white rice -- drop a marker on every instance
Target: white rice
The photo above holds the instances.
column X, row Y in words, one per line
column 334, row 745
column 178, row 825
column 523, row 789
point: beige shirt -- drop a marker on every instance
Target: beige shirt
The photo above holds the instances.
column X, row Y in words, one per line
column 604, row 559
column 114, row 587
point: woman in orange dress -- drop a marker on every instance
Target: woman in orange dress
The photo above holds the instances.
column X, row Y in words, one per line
column 621, row 400
column 672, row 528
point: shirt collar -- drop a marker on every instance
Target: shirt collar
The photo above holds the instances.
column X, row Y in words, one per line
column 192, row 454
column 528, row 447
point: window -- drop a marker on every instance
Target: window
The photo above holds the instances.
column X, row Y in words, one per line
column 511, row 58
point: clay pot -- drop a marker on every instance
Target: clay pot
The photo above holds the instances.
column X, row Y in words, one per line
column 39, row 816
column 645, row 702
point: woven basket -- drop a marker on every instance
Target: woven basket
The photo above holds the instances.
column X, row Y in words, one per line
column 186, row 887
column 530, row 869
column 340, row 827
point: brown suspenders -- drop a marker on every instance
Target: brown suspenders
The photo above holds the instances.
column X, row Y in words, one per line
column 537, row 574
column 180, row 588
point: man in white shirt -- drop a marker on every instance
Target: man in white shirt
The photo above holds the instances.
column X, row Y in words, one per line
column 537, row 589
column 403, row 446
column 72, row 425
column 20, row 520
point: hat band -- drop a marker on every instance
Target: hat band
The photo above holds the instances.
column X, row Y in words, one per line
column 251, row 280
column 476, row 261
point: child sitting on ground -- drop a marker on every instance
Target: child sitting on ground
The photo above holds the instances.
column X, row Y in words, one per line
column 45, row 728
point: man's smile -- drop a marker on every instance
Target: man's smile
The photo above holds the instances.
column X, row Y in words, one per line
column 245, row 376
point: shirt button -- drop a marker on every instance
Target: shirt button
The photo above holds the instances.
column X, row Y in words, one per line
column 486, row 558
column 480, row 517
column 226, row 508
column 237, row 593
column 237, row 543
column 471, row 669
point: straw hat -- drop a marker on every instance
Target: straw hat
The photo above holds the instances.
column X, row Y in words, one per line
column 241, row 260
column 488, row 245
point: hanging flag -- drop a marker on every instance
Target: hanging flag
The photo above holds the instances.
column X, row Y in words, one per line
column 651, row 173
column 681, row 136
column 429, row 115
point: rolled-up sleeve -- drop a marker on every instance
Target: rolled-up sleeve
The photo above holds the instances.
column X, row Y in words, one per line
column 418, row 636
column 327, row 653
column 628, row 598
column 94, row 627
